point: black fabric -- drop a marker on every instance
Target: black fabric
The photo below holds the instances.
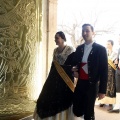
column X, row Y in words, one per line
column 84, row 99
column 55, row 95
column 118, row 71
column 97, row 64
column 111, row 83
column 118, row 80
column 69, row 60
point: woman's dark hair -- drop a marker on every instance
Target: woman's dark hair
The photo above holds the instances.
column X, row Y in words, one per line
column 111, row 41
column 62, row 35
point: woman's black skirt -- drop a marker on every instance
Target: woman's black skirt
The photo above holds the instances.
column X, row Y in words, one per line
column 55, row 95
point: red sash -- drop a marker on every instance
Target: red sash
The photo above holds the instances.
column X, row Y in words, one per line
column 82, row 74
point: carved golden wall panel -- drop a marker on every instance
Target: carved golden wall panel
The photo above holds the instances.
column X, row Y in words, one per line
column 18, row 53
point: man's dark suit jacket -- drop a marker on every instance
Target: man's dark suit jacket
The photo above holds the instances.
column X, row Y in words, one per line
column 97, row 64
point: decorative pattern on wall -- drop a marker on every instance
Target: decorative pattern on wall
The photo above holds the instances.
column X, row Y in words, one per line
column 18, row 53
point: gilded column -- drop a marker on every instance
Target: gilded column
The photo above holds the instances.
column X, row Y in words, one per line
column 19, row 46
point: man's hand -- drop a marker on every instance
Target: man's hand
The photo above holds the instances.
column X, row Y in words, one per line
column 101, row 96
column 75, row 72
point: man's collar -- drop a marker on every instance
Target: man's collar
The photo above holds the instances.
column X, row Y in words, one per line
column 90, row 44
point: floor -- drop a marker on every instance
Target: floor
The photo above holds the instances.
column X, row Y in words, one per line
column 101, row 113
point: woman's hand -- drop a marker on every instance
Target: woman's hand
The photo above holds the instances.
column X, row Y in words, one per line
column 119, row 65
column 75, row 71
column 116, row 61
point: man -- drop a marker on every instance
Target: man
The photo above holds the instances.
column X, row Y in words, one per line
column 91, row 60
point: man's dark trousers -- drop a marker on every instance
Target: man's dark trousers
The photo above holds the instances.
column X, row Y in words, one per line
column 84, row 99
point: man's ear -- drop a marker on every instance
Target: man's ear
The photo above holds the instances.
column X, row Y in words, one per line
column 94, row 34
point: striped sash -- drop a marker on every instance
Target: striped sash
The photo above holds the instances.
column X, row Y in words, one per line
column 64, row 76
column 111, row 64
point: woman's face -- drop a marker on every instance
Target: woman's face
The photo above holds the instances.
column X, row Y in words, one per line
column 109, row 45
column 58, row 40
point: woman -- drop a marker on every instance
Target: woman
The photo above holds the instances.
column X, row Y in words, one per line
column 116, row 108
column 55, row 100
column 111, row 92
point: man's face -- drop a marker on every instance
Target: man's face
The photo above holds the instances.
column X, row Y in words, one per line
column 87, row 33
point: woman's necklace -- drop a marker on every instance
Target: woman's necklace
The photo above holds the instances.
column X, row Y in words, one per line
column 109, row 52
column 60, row 50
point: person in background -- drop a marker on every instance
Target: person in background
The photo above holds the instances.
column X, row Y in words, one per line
column 116, row 107
column 111, row 89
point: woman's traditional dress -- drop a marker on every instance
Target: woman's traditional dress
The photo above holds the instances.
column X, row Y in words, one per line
column 111, row 89
column 55, row 100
